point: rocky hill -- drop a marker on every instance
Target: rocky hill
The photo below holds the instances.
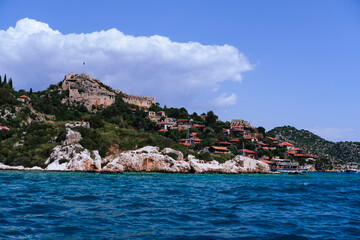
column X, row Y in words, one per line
column 336, row 152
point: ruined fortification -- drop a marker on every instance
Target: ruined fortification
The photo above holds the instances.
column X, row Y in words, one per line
column 83, row 89
column 92, row 93
column 141, row 101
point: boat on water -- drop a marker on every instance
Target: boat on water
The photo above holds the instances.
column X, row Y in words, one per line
column 352, row 168
column 352, row 171
column 287, row 166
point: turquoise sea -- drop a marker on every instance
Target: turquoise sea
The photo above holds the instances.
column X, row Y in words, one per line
column 44, row 205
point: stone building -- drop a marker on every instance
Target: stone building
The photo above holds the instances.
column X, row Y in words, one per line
column 83, row 89
column 141, row 101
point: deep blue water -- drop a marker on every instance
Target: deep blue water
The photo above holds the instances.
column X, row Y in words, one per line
column 43, row 205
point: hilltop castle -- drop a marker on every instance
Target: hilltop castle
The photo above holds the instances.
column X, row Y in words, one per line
column 92, row 93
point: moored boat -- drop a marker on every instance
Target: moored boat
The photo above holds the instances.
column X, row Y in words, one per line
column 286, row 166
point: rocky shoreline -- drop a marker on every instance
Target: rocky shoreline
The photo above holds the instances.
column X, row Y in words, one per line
column 70, row 156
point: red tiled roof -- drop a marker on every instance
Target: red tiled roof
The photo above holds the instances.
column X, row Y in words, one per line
column 225, row 143
column 296, row 149
column 285, row 144
column 194, row 133
column 183, row 140
column 200, row 126
column 248, row 138
column 262, row 144
column 182, row 120
column 271, row 138
column 248, row 151
column 220, row 148
column 4, row 128
column 234, row 140
column 290, row 153
column 301, row 155
column 266, row 161
column 196, row 139
column 133, row 109
column 162, row 130
column 186, row 144
column 164, row 123
column 24, row 96
column 238, row 130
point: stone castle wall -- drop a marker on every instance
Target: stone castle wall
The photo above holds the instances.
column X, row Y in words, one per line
column 95, row 95
column 144, row 102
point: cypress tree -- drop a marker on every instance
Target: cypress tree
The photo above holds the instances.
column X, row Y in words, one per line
column 5, row 79
column 0, row 81
column 11, row 83
column 30, row 91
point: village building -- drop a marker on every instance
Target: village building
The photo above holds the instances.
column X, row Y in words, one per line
column 152, row 116
column 234, row 141
column 248, row 153
column 199, row 127
column 190, row 142
column 237, row 132
column 226, row 132
column 262, row 145
column 4, row 129
column 164, row 125
column 218, row 150
column 286, row 145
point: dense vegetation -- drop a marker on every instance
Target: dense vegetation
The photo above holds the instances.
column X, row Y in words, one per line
column 329, row 152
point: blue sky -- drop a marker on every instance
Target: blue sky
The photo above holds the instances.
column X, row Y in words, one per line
column 299, row 61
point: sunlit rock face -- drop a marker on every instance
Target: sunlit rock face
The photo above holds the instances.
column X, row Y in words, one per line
column 147, row 159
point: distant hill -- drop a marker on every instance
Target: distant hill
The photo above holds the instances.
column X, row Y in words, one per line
column 339, row 152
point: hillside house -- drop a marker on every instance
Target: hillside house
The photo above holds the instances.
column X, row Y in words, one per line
column 286, row 145
column 152, row 116
column 237, row 132
column 4, row 129
column 24, row 99
column 262, row 145
column 234, row 141
column 199, row 127
column 218, row 150
column 164, row 125
column 248, row 153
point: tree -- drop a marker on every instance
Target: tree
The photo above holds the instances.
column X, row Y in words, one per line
column 4, row 79
column 11, row 83
column 0, row 81
column 31, row 91
column 261, row 130
column 210, row 118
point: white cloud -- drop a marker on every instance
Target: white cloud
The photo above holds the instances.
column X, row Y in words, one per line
column 333, row 134
column 223, row 101
column 35, row 55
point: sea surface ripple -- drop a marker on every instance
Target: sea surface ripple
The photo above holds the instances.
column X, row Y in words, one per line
column 48, row 205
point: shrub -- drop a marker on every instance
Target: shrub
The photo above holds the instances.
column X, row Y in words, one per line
column 173, row 155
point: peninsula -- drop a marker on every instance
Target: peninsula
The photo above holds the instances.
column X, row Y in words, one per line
column 81, row 124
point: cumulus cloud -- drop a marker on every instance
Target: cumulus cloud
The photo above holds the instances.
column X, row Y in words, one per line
column 35, row 55
column 224, row 100
column 333, row 134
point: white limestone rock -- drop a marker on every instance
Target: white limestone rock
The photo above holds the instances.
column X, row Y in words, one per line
column 147, row 159
column 170, row 150
column 72, row 137
column 73, row 158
